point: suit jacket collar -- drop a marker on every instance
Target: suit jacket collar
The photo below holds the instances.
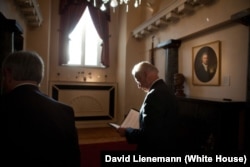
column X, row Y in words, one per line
column 25, row 84
column 25, row 87
column 155, row 83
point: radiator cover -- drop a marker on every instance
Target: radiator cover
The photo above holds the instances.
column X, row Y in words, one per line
column 94, row 104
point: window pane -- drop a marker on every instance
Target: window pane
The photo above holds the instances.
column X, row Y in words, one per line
column 75, row 44
column 93, row 42
column 93, row 46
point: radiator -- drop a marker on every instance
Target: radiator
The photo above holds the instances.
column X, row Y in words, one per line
column 94, row 104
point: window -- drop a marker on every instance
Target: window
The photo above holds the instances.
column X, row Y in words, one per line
column 79, row 20
column 85, row 45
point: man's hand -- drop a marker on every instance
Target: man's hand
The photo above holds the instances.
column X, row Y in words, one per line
column 121, row 131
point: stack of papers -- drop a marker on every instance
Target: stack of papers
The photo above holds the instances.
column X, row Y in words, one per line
column 131, row 120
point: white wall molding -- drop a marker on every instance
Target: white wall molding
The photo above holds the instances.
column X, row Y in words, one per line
column 31, row 11
column 169, row 15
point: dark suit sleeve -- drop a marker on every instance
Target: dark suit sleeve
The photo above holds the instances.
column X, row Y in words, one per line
column 158, row 116
column 152, row 115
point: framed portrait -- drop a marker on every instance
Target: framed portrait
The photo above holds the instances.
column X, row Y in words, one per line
column 206, row 64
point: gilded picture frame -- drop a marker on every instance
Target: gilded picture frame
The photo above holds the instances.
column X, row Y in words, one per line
column 206, row 64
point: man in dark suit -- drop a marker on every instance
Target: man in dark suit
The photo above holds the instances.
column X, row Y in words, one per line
column 41, row 131
column 158, row 115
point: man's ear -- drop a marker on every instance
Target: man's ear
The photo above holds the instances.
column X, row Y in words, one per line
column 7, row 74
column 8, row 81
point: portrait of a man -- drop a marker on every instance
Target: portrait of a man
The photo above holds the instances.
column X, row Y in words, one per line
column 205, row 64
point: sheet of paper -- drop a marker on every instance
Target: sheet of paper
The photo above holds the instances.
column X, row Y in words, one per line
column 116, row 126
column 131, row 120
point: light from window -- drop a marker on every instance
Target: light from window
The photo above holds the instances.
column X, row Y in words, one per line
column 85, row 45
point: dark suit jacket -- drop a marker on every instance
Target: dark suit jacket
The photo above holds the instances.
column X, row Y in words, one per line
column 204, row 75
column 157, row 121
column 40, row 131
